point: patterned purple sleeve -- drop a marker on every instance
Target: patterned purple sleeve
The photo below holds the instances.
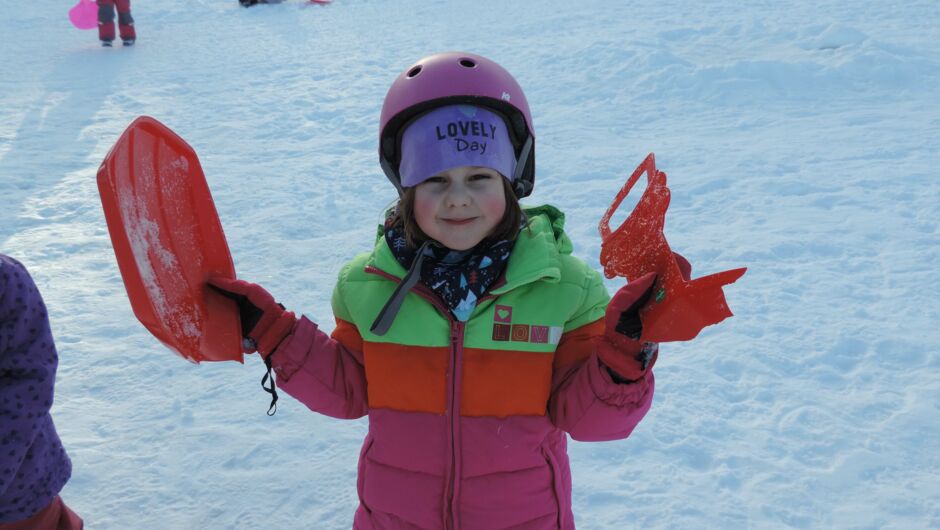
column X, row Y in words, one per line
column 33, row 464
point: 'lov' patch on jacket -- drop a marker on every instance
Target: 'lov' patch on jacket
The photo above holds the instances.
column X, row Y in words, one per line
column 505, row 330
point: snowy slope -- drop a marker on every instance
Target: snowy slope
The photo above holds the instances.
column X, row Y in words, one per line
column 801, row 139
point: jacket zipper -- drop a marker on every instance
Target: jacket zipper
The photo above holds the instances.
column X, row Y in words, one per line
column 456, row 340
column 456, row 354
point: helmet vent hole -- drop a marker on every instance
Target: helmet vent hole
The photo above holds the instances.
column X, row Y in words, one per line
column 468, row 63
column 414, row 71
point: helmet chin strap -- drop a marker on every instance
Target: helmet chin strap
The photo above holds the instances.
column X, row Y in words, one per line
column 392, row 176
column 388, row 313
column 520, row 187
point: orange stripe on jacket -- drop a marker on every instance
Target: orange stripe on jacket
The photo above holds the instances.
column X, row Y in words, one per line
column 348, row 335
column 575, row 347
column 496, row 383
column 408, row 378
column 505, row 383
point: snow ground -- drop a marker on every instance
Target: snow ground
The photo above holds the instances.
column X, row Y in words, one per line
column 802, row 140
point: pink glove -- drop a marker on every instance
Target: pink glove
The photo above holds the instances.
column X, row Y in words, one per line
column 265, row 323
column 618, row 347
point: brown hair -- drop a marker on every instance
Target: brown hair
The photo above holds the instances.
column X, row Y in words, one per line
column 507, row 228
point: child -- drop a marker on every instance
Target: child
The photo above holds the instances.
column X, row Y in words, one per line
column 470, row 335
column 33, row 464
column 106, row 22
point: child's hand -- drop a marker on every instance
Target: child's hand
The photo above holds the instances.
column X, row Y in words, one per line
column 623, row 311
column 264, row 322
column 619, row 347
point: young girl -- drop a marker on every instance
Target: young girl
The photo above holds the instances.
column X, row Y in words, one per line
column 469, row 335
column 33, row 464
column 125, row 22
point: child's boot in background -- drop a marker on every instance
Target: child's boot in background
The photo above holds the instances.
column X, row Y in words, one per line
column 126, row 22
column 106, row 22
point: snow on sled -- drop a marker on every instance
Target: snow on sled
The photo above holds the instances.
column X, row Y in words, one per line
column 168, row 240
column 680, row 308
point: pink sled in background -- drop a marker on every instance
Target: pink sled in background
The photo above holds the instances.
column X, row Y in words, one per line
column 84, row 15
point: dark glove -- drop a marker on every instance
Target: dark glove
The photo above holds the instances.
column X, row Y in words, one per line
column 629, row 323
column 265, row 323
column 619, row 347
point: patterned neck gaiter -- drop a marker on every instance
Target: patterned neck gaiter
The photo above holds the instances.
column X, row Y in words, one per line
column 459, row 278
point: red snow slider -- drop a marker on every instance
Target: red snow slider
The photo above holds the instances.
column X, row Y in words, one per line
column 679, row 308
column 168, row 241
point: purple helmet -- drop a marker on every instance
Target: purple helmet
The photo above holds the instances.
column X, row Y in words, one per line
column 457, row 78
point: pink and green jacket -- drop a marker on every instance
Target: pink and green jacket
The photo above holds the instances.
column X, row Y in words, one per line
column 468, row 420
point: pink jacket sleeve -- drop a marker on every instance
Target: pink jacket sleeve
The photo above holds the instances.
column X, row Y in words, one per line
column 586, row 402
column 321, row 372
column 591, row 407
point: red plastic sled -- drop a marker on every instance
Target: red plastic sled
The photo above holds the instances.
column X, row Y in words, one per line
column 680, row 308
column 168, row 241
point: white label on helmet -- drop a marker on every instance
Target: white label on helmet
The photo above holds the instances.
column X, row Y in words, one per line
column 505, row 96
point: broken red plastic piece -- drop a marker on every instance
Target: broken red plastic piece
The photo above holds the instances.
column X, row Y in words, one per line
column 680, row 308
column 168, row 240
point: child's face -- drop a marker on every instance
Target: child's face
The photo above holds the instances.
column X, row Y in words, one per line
column 461, row 206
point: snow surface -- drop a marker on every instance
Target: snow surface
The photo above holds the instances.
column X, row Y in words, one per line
column 801, row 139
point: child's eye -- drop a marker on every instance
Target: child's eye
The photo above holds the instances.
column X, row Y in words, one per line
column 481, row 176
column 436, row 179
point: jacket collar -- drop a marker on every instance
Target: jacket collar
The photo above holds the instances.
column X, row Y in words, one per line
column 535, row 255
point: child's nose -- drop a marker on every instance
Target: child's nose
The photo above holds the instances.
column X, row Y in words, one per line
column 458, row 196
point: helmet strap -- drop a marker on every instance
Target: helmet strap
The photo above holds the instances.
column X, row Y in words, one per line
column 392, row 175
column 519, row 186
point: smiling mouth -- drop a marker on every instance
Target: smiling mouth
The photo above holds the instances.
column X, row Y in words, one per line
column 459, row 221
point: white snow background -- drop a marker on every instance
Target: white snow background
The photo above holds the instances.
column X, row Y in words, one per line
column 801, row 139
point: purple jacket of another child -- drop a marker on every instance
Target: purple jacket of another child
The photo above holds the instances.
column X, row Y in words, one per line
column 33, row 463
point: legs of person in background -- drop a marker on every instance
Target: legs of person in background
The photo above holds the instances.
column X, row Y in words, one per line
column 126, row 22
column 106, row 21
